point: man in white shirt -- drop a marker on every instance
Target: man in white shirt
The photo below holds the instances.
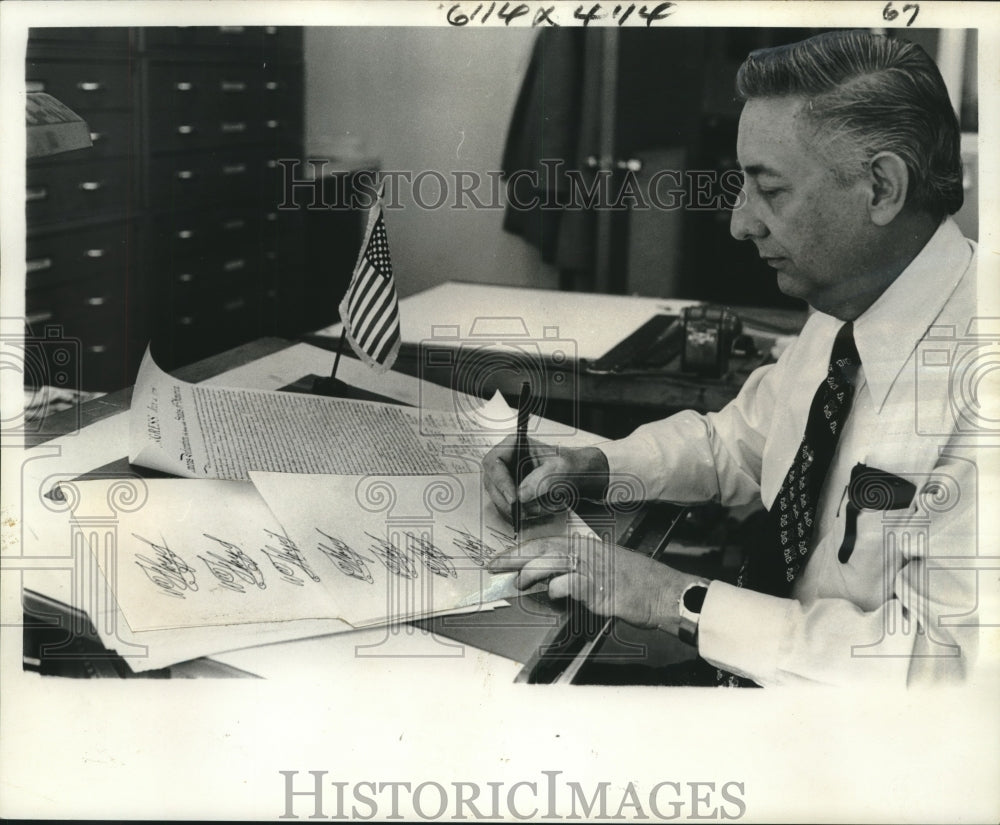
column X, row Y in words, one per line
column 850, row 153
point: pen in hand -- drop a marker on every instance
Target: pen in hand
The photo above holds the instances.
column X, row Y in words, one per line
column 522, row 452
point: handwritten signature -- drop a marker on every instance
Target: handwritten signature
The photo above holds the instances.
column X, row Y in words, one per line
column 168, row 571
column 233, row 568
column 395, row 560
column 287, row 559
column 473, row 547
column 348, row 561
column 433, row 559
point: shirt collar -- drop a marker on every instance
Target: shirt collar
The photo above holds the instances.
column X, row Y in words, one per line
column 889, row 330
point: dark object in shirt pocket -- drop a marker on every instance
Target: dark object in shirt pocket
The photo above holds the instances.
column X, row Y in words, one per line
column 872, row 489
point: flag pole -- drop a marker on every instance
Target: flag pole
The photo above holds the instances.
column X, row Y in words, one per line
column 340, row 349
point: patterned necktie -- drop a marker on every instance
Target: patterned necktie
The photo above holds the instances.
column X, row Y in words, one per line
column 792, row 516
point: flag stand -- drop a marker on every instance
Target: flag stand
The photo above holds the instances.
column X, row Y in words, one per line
column 333, row 387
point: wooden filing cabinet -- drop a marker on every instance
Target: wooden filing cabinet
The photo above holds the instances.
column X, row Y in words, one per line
column 167, row 228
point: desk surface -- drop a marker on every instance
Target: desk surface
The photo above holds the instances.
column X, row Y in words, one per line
column 548, row 337
column 96, row 437
column 592, row 323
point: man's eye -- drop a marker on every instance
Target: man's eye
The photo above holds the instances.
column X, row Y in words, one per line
column 768, row 193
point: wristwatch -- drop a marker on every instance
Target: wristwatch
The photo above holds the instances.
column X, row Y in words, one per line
column 689, row 607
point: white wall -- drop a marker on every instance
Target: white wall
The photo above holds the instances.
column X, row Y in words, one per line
column 426, row 99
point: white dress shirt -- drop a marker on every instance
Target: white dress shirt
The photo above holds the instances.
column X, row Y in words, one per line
column 903, row 608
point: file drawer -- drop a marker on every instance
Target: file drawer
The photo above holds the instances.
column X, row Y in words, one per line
column 200, row 180
column 84, row 86
column 94, row 302
column 57, row 258
column 230, row 37
column 172, row 133
column 106, row 36
column 110, row 136
column 179, row 236
column 59, row 191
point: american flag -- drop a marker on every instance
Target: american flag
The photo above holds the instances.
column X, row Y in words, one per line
column 370, row 309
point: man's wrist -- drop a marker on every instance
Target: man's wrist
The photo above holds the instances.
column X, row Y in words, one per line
column 689, row 609
column 665, row 614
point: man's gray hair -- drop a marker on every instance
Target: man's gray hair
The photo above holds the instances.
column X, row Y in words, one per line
column 871, row 93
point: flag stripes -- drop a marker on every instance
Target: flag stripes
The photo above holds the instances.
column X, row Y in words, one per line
column 370, row 309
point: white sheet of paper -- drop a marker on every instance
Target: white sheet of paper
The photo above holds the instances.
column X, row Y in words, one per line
column 154, row 649
column 198, row 431
column 206, row 556
column 416, row 544
column 200, row 553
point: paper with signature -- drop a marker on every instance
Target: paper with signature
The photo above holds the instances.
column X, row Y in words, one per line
column 412, row 544
column 203, row 553
column 203, row 431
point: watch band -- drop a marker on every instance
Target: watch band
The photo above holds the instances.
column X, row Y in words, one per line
column 689, row 608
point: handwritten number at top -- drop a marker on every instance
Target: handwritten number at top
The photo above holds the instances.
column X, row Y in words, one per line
column 890, row 14
column 546, row 15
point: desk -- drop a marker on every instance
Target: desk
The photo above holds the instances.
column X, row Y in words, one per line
column 553, row 338
column 511, row 634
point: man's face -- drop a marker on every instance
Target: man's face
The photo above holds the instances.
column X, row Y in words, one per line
column 809, row 227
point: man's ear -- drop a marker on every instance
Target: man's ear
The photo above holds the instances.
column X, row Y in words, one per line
column 889, row 181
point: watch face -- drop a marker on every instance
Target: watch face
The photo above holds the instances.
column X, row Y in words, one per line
column 694, row 598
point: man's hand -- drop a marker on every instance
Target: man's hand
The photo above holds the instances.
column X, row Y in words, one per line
column 558, row 478
column 607, row 579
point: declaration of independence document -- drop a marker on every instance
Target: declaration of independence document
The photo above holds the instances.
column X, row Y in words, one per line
column 197, row 431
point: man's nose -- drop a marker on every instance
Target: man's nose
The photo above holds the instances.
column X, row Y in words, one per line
column 744, row 224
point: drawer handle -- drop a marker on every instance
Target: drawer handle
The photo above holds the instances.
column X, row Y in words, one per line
column 96, row 136
column 37, row 193
column 185, row 277
column 38, row 264
column 91, row 185
column 185, row 174
column 234, row 169
column 34, row 86
column 234, row 127
column 233, row 85
column 231, row 29
column 185, row 129
column 185, row 320
column 97, row 349
column 94, row 253
column 183, row 86
column 271, row 216
column 234, row 305
column 39, row 317
column 272, row 124
column 90, row 86
column 97, row 301
column 184, row 234
column 234, row 265
column 271, row 85
column 236, row 223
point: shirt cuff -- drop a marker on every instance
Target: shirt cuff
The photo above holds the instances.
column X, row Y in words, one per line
column 741, row 631
column 634, row 454
column 670, row 459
